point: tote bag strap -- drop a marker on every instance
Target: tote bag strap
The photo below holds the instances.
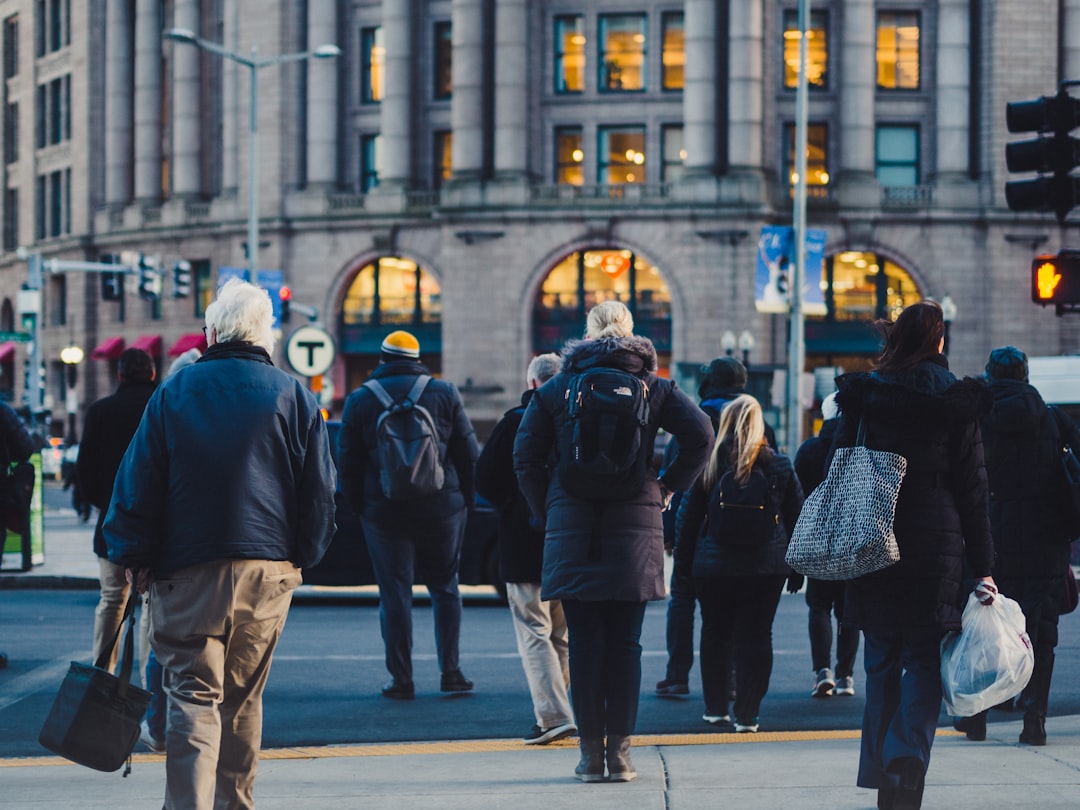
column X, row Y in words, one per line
column 860, row 436
column 127, row 657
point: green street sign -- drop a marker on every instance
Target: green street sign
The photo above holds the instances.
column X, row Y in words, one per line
column 20, row 337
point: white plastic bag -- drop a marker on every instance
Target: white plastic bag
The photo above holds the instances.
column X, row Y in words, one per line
column 989, row 661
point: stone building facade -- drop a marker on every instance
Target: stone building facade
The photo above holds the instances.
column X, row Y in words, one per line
column 481, row 171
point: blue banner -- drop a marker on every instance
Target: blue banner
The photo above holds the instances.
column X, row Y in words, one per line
column 772, row 276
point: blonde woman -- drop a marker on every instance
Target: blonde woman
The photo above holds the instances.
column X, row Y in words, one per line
column 731, row 534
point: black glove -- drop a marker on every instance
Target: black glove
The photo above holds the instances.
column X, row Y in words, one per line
column 795, row 582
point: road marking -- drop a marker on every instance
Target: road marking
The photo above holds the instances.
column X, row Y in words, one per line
column 494, row 746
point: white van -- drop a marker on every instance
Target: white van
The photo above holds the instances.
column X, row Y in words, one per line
column 1057, row 379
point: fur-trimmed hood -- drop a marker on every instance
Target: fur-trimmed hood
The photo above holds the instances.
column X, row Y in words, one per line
column 927, row 393
column 633, row 353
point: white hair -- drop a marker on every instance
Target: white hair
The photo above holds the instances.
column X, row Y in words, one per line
column 184, row 360
column 242, row 312
column 609, row 319
column 542, row 368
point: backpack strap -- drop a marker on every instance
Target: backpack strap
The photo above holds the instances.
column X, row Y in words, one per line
column 387, row 401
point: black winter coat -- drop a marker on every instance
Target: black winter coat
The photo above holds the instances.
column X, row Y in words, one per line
column 931, row 419
column 358, row 466
column 1023, row 448
column 521, row 545
column 110, row 424
column 813, row 457
column 627, row 535
column 697, row 551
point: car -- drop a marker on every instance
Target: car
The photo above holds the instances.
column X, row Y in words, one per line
column 347, row 563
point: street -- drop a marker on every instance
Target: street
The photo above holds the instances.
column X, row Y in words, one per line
column 324, row 685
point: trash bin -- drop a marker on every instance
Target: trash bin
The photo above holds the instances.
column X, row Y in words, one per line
column 25, row 548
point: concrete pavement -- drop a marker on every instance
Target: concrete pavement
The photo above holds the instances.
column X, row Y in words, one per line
column 676, row 772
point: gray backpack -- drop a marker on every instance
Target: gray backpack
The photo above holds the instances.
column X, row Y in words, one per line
column 407, row 444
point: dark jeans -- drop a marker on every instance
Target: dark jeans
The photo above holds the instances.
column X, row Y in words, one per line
column 605, row 665
column 903, row 700
column 826, row 599
column 737, row 614
column 680, row 627
column 434, row 551
column 156, row 710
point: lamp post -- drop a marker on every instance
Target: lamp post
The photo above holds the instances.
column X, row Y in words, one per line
column 746, row 345
column 71, row 356
column 728, row 342
column 948, row 313
column 253, row 63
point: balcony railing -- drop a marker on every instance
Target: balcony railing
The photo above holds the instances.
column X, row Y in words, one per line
column 907, row 196
column 629, row 193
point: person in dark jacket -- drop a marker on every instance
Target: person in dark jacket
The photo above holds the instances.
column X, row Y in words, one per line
column 539, row 625
column 738, row 581
column 16, row 445
column 110, row 424
column 913, row 405
column 425, row 533
column 1022, row 442
column 605, row 558
column 724, row 379
column 826, row 597
column 225, row 492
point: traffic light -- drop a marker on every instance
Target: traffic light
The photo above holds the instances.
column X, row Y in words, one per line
column 286, row 298
column 149, row 279
column 1053, row 154
column 112, row 284
column 181, row 279
column 1056, row 279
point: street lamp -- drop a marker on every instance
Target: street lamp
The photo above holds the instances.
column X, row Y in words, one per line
column 746, row 344
column 948, row 313
column 71, row 356
column 728, row 342
column 253, row 63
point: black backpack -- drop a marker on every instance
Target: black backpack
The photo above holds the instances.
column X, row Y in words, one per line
column 406, row 444
column 604, row 451
column 742, row 514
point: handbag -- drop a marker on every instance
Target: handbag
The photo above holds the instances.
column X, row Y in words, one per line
column 95, row 718
column 1070, row 479
column 845, row 528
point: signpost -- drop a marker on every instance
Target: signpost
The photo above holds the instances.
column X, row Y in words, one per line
column 310, row 351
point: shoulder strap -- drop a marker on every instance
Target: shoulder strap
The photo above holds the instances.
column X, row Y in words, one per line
column 418, row 388
column 375, row 387
column 387, row 401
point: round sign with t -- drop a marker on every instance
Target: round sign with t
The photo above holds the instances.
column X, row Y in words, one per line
column 310, row 351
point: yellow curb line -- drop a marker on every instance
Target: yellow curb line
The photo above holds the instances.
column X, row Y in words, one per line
column 491, row 746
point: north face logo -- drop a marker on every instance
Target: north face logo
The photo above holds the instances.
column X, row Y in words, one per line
column 623, row 392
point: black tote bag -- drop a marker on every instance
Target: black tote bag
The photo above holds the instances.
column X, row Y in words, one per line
column 95, row 718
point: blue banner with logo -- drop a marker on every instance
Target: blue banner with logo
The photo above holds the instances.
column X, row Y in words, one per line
column 772, row 276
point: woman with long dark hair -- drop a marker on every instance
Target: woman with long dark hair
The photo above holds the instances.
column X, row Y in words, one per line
column 737, row 564
column 912, row 404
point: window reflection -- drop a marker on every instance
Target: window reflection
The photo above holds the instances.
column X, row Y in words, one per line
column 817, row 50
column 897, row 149
column 622, row 52
column 395, row 291
column 569, row 54
column 898, row 50
column 674, row 55
column 621, row 155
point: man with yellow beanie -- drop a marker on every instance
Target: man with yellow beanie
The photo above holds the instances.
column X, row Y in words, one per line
column 405, row 526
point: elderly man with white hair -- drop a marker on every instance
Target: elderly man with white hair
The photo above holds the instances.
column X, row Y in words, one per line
column 226, row 491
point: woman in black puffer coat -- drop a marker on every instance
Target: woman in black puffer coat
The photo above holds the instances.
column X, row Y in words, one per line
column 913, row 405
column 738, row 578
column 605, row 558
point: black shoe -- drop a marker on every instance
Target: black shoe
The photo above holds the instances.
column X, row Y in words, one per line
column 3, row 660
column 974, row 727
column 1034, row 732
column 396, row 690
column 542, row 736
column 455, row 682
column 666, row 688
column 907, row 794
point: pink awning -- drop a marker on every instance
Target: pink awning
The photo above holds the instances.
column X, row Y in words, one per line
column 7, row 351
column 151, row 344
column 108, row 349
column 194, row 340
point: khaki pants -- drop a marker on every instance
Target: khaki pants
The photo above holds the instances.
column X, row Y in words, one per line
column 541, row 641
column 110, row 608
column 214, row 628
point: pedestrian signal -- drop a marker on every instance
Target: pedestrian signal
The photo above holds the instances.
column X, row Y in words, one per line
column 1056, row 279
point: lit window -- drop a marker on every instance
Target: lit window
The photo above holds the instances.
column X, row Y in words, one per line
column 674, row 153
column 674, row 54
column 621, row 156
column 443, row 157
column 897, row 155
column 622, row 52
column 898, row 50
column 392, row 291
column 372, row 66
column 443, row 54
column 860, row 291
column 817, row 49
column 817, row 152
column 569, row 156
column 569, row 54
column 370, row 161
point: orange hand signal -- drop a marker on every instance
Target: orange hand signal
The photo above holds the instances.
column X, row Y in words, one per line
column 1047, row 280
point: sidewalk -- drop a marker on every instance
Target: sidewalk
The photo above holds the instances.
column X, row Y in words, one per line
column 675, row 772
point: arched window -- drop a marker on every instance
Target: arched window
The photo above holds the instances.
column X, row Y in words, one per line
column 865, row 286
column 585, row 278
